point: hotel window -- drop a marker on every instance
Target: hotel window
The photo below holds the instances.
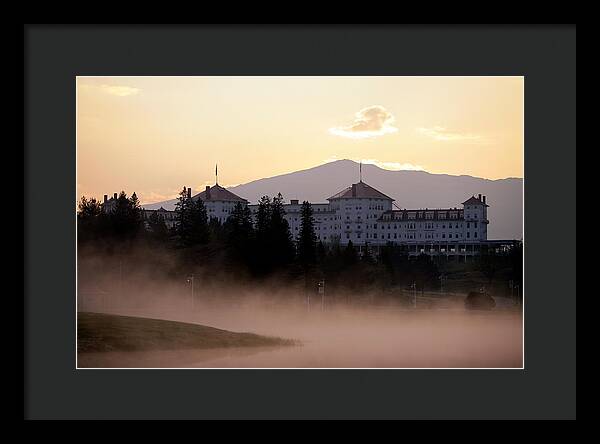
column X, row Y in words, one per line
column 475, row 235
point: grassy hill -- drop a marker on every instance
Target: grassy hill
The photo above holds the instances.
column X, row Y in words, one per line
column 97, row 332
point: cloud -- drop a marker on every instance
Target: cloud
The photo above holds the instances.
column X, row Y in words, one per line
column 442, row 134
column 394, row 166
column 372, row 121
column 114, row 90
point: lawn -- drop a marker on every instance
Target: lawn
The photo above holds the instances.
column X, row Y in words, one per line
column 97, row 332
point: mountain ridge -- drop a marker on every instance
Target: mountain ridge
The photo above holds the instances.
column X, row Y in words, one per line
column 410, row 189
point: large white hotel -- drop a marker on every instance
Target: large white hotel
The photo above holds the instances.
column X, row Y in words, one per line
column 370, row 219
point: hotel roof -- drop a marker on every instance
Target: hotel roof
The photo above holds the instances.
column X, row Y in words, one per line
column 218, row 193
column 360, row 190
column 474, row 201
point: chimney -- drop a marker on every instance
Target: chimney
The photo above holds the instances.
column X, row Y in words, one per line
column 105, row 198
column 115, row 196
column 207, row 192
column 483, row 199
column 189, row 193
column 353, row 190
column 480, row 197
column 294, row 202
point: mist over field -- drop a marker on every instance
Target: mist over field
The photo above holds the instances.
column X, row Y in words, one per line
column 340, row 330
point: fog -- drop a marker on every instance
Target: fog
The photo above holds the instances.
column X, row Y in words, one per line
column 341, row 331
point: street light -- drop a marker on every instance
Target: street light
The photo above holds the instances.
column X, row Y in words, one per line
column 414, row 286
column 190, row 280
column 321, row 290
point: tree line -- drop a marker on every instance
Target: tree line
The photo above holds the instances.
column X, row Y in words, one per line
column 257, row 246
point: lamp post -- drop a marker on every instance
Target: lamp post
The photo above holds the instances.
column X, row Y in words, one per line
column 321, row 286
column 190, row 280
column 414, row 286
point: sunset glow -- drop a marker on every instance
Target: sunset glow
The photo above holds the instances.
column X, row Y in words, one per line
column 153, row 135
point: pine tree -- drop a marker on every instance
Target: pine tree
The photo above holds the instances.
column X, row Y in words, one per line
column 263, row 220
column 182, row 213
column 191, row 220
column 216, row 229
column 88, row 209
column 126, row 219
column 239, row 234
column 135, row 211
column 158, row 227
column 307, row 240
column 262, row 244
column 281, row 244
column 198, row 233
column 89, row 212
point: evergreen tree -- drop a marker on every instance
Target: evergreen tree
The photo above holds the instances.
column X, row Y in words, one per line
column 216, row 229
column 263, row 220
column 199, row 233
column 191, row 220
column 182, row 222
column 239, row 235
column 158, row 227
column 126, row 217
column 88, row 209
column 307, row 241
column 281, row 244
column 263, row 225
column 89, row 212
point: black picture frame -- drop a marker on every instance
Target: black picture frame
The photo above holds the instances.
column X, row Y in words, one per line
column 55, row 54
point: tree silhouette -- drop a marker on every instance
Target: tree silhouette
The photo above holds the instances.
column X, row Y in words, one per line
column 157, row 227
column 307, row 241
column 281, row 245
column 191, row 220
column 239, row 234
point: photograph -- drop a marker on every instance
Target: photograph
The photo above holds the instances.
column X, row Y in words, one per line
column 299, row 222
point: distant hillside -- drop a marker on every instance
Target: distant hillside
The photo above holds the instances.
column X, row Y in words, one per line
column 411, row 189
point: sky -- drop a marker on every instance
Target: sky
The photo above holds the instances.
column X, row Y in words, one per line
column 154, row 135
